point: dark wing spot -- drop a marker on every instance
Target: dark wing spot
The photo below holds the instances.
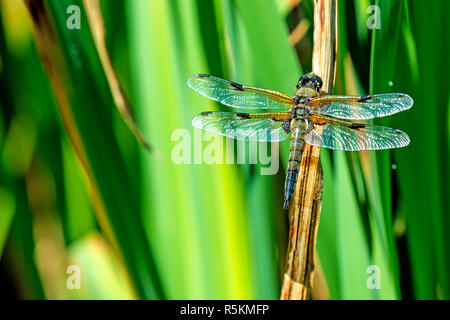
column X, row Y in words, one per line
column 364, row 98
column 243, row 115
column 205, row 113
column 237, row 86
column 398, row 131
column 202, row 75
column 356, row 126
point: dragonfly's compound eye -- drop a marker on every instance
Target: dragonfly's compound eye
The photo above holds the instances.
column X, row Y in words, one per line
column 316, row 81
column 310, row 80
column 319, row 83
column 304, row 79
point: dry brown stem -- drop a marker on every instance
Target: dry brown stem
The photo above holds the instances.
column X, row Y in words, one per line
column 307, row 200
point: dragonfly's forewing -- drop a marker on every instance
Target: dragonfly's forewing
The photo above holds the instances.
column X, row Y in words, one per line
column 244, row 126
column 239, row 96
column 361, row 108
column 354, row 136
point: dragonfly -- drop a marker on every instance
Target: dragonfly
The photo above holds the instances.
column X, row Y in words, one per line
column 329, row 121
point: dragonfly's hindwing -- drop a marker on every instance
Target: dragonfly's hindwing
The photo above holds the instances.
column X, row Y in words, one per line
column 355, row 136
column 241, row 126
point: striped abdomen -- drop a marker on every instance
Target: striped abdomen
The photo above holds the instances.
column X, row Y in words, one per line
column 295, row 157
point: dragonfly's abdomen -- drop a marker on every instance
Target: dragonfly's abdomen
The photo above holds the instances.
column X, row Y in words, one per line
column 295, row 157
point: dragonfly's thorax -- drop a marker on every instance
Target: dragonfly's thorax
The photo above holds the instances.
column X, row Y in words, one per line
column 301, row 100
column 306, row 92
column 299, row 112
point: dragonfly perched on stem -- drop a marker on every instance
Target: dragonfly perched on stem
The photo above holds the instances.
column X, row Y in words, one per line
column 307, row 117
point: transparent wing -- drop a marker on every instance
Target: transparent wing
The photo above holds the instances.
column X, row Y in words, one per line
column 354, row 137
column 239, row 96
column 361, row 108
column 241, row 126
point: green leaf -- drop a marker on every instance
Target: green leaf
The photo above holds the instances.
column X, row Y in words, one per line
column 7, row 207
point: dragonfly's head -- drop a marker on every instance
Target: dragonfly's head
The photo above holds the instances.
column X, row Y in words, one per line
column 310, row 80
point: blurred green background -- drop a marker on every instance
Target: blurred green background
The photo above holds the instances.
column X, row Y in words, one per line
column 140, row 226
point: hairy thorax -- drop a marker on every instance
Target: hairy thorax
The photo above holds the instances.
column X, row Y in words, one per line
column 300, row 109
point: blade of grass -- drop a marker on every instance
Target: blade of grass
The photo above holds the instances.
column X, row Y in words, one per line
column 353, row 252
column 84, row 109
column 78, row 215
column 7, row 208
column 101, row 270
column 96, row 23
column 20, row 255
column 424, row 179
column 242, row 49
column 203, row 230
column 383, row 58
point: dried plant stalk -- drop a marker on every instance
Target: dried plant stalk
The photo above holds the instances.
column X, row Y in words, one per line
column 307, row 201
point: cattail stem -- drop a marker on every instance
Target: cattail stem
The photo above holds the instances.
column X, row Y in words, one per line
column 307, row 201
